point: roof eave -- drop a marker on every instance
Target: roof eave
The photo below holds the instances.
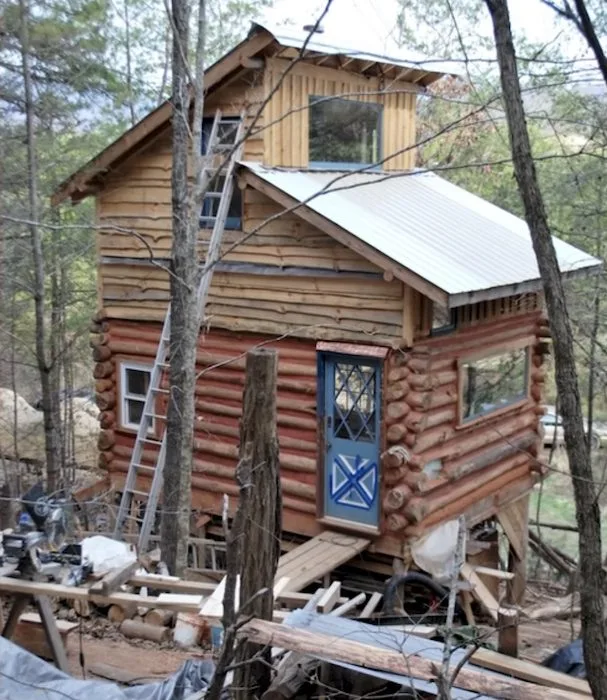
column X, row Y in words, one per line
column 535, row 285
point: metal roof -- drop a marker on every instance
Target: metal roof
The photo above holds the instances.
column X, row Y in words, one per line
column 461, row 244
column 336, row 42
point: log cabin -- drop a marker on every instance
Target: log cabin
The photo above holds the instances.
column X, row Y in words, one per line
column 407, row 313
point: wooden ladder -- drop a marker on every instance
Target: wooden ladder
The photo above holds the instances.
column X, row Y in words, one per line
column 219, row 201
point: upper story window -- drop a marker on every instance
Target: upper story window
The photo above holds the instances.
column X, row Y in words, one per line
column 344, row 133
column 210, row 205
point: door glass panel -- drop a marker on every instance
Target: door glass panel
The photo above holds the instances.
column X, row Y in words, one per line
column 354, row 389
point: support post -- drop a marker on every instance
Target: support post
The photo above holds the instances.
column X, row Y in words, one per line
column 260, row 547
column 515, row 521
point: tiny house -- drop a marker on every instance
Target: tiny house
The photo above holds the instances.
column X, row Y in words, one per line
column 406, row 312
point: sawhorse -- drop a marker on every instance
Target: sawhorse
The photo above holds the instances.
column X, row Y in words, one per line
column 43, row 605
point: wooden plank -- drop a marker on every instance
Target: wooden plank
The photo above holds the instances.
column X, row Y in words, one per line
column 371, row 605
column 493, row 573
column 480, row 591
column 55, row 590
column 318, row 556
column 409, row 316
column 114, row 579
column 329, row 598
column 409, row 665
column 349, row 605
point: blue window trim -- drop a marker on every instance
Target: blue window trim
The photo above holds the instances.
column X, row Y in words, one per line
column 233, row 223
column 337, row 165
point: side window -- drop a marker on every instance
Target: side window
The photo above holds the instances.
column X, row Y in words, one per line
column 493, row 382
column 210, row 204
column 343, row 133
column 134, row 383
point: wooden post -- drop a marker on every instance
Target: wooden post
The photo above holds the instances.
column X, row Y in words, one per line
column 260, row 547
column 514, row 519
column 507, row 631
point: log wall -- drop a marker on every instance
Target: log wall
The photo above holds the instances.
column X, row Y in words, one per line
column 220, row 366
column 287, row 118
column 434, row 468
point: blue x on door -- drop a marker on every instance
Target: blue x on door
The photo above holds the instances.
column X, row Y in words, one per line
column 352, row 427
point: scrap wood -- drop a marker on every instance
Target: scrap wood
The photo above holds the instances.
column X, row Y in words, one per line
column 480, row 591
column 342, row 649
column 559, row 608
column 559, row 560
column 120, row 675
column 114, row 579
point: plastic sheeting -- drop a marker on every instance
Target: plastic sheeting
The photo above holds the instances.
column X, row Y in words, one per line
column 435, row 552
column 568, row 659
column 24, row 676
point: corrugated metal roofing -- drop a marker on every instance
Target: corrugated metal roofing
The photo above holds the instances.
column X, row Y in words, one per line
column 461, row 244
column 337, row 43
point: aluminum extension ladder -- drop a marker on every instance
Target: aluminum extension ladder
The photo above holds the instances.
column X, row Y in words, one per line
column 217, row 148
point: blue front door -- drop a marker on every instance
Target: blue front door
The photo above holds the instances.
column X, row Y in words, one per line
column 352, row 420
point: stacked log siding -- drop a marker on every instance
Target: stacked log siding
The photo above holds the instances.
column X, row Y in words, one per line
column 436, row 468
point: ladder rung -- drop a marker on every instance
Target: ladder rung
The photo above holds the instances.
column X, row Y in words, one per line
column 159, row 390
column 133, row 492
column 151, row 441
column 156, row 415
column 146, row 467
column 213, row 195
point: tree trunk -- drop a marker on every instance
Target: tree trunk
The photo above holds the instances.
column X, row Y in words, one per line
column 184, row 329
column 261, row 538
column 592, row 575
column 49, row 401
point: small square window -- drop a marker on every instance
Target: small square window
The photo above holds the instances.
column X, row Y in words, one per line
column 344, row 133
column 134, row 383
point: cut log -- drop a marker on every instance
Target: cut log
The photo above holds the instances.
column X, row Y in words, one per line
column 82, row 607
column 106, row 400
column 102, row 385
column 142, row 630
column 396, row 433
column 106, row 439
column 107, row 419
column 427, row 382
column 159, row 618
column 397, row 390
column 396, row 522
column 396, row 410
column 102, row 370
column 397, row 497
column 393, row 476
column 119, row 613
column 101, row 353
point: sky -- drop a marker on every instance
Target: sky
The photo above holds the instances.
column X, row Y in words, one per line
column 366, row 21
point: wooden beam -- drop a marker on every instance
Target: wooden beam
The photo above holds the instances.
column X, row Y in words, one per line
column 412, row 666
column 507, row 631
column 480, row 591
column 56, row 590
column 346, row 238
column 408, row 333
column 114, row 579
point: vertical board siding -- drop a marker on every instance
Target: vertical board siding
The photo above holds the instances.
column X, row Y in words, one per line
column 287, row 117
column 475, row 467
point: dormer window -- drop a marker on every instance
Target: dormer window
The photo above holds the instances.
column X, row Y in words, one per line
column 344, row 134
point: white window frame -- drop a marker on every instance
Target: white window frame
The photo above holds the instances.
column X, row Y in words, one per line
column 125, row 396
